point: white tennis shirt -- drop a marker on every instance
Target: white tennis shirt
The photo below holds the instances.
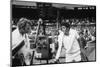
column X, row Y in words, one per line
column 17, row 38
column 69, row 42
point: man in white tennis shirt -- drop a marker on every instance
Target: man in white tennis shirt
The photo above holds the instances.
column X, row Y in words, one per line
column 68, row 38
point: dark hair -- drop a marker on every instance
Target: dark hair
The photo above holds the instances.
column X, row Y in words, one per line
column 67, row 25
column 23, row 25
column 81, row 33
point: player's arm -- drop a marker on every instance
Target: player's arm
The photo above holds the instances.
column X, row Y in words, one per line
column 59, row 46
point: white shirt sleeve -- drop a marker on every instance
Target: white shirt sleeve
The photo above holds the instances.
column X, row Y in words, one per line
column 59, row 45
column 17, row 38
